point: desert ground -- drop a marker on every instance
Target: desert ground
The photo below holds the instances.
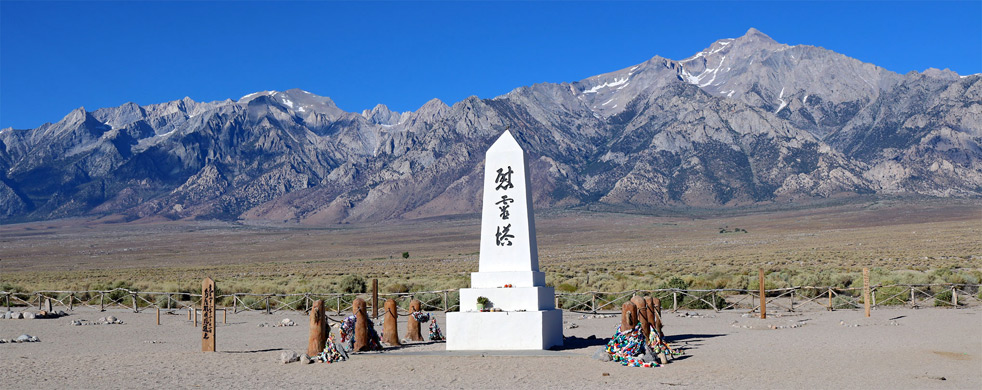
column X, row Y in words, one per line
column 896, row 348
column 898, row 240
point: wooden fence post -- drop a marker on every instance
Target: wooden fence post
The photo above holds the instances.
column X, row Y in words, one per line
column 8, row 301
column 71, row 301
column 158, row 316
column 102, row 301
column 168, row 301
column 763, row 296
column 792, row 299
column 912, row 302
column 339, row 304
column 446, row 302
column 593, row 303
column 954, row 296
column 40, row 299
column 267, row 305
column 135, row 309
column 225, row 315
column 675, row 301
column 375, row 298
column 866, row 294
column 830, row 298
column 872, row 294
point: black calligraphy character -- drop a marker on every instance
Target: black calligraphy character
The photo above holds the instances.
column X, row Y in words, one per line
column 504, row 205
column 502, row 237
column 504, row 179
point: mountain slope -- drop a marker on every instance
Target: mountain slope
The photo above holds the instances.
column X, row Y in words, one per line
column 745, row 121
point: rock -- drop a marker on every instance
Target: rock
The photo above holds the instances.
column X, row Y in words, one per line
column 28, row 315
column 112, row 320
column 26, row 338
column 572, row 326
column 304, row 359
column 3, row 341
column 287, row 322
column 601, row 354
column 62, row 313
column 7, row 315
column 289, row 357
column 16, row 315
column 648, row 356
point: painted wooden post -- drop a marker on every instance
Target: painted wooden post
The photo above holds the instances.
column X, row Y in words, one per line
column 208, row 315
column 954, row 297
column 866, row 294
column 872, row 294
column 763, row 296
column 374, row 298
column 318, row 329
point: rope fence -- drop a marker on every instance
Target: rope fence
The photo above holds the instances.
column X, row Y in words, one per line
column 801, row 298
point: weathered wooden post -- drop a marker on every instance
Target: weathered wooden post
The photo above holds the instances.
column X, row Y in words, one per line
column 792, row 300
column 830, row 298
column 675, row 301
column 339, row 304
column 446, row 302
column 133, row 297
column 102, row 301
column 194, row 315
column 390, row 329
column 225, row 315
column 629, row 316
column 207, row 315
column 40, row 299
column 8, row 301
column 913, row 303
column 763, row 296
column 866, row 299
column 318, row 329
column 413, row 332
column 158, row 316
column 954, row 296
column 235, row 304
column 361, row 324
column 642, row 306
column 593, row 303
column 71, row 301
column 267, row 305
column 169, row 299
column 374, row 298
column 654, row 311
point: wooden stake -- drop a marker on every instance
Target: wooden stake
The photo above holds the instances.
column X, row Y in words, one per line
column 158, row 316
column 446, row 304
column 71, row 301
column 225, row 315
column 318, row 335
column 374, row 298
column 830, row 299
column 194, row 316
column 675, row 302
column 207, row 315
column 763, row 297
column 102, row 301
column 954, row 297
column 866, row 299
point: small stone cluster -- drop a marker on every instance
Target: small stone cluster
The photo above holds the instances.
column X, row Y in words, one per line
column 30, row 315
column 24, row 338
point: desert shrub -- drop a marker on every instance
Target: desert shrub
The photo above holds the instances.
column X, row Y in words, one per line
column 707, row 298
column 397, row 288
column 405, row 255
column 566, row 287
column 891, row 295
column 352, row 284
column 841, row 302
column 943, row 299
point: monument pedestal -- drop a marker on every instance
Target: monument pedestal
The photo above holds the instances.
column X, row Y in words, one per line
column 504, row 330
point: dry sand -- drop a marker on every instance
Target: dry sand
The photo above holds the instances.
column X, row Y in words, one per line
column 896, row 348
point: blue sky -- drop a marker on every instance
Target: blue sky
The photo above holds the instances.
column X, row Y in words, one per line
column 57, row 56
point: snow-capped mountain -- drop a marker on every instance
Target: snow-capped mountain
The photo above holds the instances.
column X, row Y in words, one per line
column 745, row 121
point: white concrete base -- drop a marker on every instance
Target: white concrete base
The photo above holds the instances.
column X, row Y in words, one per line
column 510, row 299
column 501, row 278
column 507, row 330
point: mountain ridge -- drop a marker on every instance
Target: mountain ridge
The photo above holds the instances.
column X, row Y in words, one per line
column 776, row 123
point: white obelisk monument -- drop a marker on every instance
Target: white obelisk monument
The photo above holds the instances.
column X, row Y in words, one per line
column 528, row 319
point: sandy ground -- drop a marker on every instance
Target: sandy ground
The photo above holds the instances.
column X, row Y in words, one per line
column 896, row 348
